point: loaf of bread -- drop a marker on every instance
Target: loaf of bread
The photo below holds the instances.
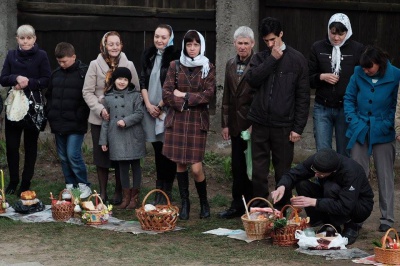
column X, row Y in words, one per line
column 28, row 195
column 88, row 205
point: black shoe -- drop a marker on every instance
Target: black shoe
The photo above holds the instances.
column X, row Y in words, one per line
column 10, row 190
column 384, row 227
column 231, row 213
column 351, row 235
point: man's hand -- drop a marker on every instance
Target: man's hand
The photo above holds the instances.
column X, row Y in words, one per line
column 329, row 78
column 277, row 194
column 225, row 133
column 301, row 202
column 294, row 137
column 276, row 51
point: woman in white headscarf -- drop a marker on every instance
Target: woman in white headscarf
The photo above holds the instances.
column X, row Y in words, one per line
column 155, row 63
column 331, row 64
column 188, row 89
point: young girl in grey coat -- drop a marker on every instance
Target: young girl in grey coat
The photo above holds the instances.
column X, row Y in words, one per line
column 123, row 134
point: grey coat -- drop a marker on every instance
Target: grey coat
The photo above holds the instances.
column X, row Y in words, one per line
column 126, row 143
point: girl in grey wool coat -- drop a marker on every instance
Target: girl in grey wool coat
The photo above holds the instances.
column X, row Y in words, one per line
column 123, row 134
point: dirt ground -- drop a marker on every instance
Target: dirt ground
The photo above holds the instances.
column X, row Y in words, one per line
column 215, row 186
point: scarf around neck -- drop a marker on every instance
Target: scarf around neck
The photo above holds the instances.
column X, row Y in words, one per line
column 199, row 60
column 336, row 53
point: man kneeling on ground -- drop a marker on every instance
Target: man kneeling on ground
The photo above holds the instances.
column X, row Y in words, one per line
column 340, row 193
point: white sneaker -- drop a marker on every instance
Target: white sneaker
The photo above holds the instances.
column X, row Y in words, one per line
column 66, row 195
column 85, row 190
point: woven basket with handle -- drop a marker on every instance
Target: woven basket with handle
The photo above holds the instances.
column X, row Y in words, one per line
column 160, row 220
column 96, row 217
column 285, row 236
column 62, row 212
column 258, row 229
column 387, row 255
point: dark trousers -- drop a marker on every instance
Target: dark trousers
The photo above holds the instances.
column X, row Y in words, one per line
column 13, row 132
column 264, row 142
column 166, row 169
column 123, row 168
column 330, row 189
column 241, row 184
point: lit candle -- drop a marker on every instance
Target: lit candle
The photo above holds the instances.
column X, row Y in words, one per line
column 2, row 179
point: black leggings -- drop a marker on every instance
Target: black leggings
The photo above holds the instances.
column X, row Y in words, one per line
column 166, row 169
column 136, row 173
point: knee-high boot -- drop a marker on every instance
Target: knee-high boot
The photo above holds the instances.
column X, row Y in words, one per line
column 167, row 188
column 183, row 183
column 204, row 206
column 159, row 197
column 102, row 175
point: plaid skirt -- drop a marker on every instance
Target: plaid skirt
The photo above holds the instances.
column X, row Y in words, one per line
column 186, row 135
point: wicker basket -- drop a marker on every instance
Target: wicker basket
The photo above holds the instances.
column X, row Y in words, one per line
column 3, row 199
column 95, row 217
column 285, row 236
column 386, row 255
column 155, row 220
column 258, row 229
column 62, row 212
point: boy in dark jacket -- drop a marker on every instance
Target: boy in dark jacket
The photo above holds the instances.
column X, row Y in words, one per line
column 340, row 195
column 67, row 114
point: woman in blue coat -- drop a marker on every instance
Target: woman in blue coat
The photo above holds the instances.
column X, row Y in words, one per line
column 369, row 106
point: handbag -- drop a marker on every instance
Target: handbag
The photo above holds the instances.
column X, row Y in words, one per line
column 17, row 105
column 36, row 117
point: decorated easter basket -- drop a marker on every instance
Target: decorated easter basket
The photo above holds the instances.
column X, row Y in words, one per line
column 96, row 217
column 285, row 236
column 2, row 200
column 162, row 219
column 62, row 212
column 260, row 228
column 386, row 255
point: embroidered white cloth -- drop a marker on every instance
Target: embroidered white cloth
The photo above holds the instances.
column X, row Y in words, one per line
column 17, row 105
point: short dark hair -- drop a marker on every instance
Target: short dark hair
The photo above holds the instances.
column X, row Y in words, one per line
column 339, row 27
column 270, row 25
column 64, row 49
column 374, row 55
column 190, row 36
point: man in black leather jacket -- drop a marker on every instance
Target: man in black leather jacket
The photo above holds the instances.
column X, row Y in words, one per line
column 279, row 111
column 340, row 193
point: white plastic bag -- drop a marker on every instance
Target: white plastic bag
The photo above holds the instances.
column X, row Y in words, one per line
column 17, row 105
column 306, row 242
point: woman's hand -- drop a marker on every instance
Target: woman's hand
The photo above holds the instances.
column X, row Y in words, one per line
column 179, row 94
column 153, row 110
column 104, row 147
column 329, row 78
column 22, row 81
column 105, row 115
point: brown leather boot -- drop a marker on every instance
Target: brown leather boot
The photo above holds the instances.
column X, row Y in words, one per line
column 134, row 199
column 126, row 197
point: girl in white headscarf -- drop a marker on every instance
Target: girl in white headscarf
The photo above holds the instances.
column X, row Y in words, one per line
column 331, row 64
column 188, row 89
column 155, row 63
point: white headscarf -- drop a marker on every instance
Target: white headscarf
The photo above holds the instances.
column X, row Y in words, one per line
column 336, row 54
column 199, row 60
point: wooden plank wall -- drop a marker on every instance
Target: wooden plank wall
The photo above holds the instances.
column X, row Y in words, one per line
column 305, row 21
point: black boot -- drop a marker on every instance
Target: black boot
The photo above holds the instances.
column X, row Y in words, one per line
column 158, row 198
column 204, row 206
column 183, row 183
column 168, row 189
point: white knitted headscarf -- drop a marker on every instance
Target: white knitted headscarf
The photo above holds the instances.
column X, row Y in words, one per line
column 336, row 54
column 199, row 60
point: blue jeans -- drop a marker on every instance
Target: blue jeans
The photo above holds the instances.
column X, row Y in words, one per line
column 69, row 149
column 325, row 119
